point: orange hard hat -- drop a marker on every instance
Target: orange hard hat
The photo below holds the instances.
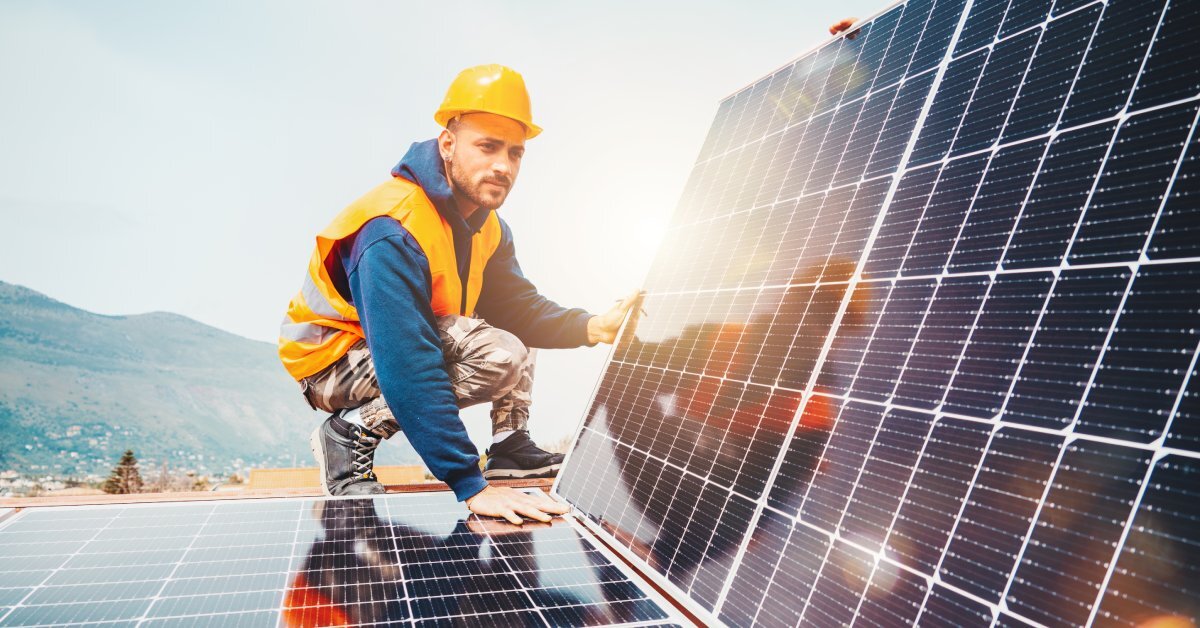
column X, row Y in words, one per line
column 491, row 88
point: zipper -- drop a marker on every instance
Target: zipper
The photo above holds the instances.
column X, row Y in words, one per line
column 463, row 278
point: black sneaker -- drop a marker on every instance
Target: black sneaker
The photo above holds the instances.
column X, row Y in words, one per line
column 346, row 463
column 517, row 457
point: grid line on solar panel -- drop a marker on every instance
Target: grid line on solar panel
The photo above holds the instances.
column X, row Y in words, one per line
column 1156, row 568
column 158, row 595
column 1077, row 510
column 18, row 602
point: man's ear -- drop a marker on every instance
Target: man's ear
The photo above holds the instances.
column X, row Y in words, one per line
column 446, row 144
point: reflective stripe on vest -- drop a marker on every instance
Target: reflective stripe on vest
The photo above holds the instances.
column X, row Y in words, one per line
column 320, row 325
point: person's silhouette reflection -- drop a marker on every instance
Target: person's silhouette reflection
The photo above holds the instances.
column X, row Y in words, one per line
column 720, row 408
column 366, row 569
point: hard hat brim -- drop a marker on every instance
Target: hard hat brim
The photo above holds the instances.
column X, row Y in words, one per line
column 444, row 116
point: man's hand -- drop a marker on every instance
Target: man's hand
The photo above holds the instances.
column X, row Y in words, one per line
column 487, row 526
column 603, row 328
column 844, row 25
column 499, row 501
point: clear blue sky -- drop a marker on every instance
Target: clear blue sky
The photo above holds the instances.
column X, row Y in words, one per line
column 179, row 156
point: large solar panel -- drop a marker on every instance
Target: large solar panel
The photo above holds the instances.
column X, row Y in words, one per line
column 921, row 340
column 396, row 560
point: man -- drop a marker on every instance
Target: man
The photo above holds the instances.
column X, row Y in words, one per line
column 414, row 306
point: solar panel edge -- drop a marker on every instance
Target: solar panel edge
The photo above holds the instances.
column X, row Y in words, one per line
column 579, row 524
column 626, row 554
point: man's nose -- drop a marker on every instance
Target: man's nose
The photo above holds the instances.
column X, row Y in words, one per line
column 502, row 167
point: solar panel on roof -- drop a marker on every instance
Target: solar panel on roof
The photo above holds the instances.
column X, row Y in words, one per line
column 922, row 337
column 395, row 560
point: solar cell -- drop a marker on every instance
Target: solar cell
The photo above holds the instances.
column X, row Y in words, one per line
column 1156, row 571
column 995, row 207
column 1177, row 232
column 1113, row 61
column 1023, row 15
column 1055, row 63
column 1081, row 518
column 934, row 359
column 981, row 25
column 395, row 560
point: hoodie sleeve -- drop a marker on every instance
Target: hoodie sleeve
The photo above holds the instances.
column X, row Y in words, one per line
column 511, row 302
column 388, row 277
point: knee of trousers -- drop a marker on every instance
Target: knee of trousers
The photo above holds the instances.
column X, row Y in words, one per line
column 506, row 357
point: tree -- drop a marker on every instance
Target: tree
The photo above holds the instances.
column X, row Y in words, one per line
column 163, row 484
column 124, row 478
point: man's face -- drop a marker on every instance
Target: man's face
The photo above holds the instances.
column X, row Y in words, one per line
column 483, row 156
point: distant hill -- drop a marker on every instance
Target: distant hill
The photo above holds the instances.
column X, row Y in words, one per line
column 78, row 388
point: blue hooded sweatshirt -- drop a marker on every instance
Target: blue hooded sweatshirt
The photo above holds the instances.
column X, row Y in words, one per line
column 386, row 277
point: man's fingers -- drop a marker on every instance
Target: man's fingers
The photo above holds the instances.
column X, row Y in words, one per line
column 551, row 506
column 631, row 300
column 539, row 507
column 842, row 25
column 533, row 512
column 543, row 501
column 512, row 516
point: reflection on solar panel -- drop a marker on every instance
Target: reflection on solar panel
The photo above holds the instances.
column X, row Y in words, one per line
column 397, row 560
column 922, row 339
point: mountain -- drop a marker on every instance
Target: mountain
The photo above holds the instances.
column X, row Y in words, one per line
column 78, row 388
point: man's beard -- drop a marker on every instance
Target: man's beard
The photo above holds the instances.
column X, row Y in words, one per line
column 473, row 190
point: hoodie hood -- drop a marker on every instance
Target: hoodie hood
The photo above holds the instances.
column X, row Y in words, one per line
column 423, row 165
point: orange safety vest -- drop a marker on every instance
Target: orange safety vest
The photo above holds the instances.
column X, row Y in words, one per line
column 321, row 325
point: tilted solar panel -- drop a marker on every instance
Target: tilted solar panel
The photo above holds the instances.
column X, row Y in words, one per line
column 921, row 340
column 397, row 560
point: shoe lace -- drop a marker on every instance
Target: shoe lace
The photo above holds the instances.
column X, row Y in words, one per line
column 364, row 454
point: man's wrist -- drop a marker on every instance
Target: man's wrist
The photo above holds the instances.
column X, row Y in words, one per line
column 470, row 499
column 591, row 330
column 468, row 485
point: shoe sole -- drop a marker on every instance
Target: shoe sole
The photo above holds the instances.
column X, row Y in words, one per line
column 522, row 474
column 318, row 450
